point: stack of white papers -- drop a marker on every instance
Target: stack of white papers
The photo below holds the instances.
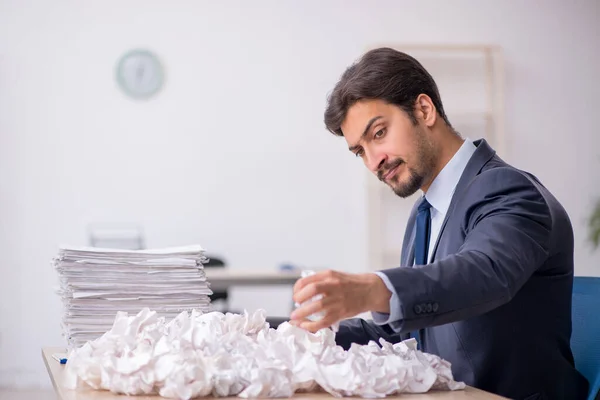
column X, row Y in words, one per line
column 96, row 283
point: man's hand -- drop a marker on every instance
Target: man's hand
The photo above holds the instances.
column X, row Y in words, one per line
column 344, row 295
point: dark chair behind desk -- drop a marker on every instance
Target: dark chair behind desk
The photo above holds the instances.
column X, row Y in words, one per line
column 215, row 262
column 223, row 295
column 274, row 322
column 585, row 339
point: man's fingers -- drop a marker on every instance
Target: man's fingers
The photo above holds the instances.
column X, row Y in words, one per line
column 302, row 282
column 325, row 283
column 308, row 309
column 314, row 326
column 309, row 291
column 311, row 326
column 297, row 322
column 319, row 276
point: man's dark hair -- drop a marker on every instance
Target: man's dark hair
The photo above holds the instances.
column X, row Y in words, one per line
column 381, row 74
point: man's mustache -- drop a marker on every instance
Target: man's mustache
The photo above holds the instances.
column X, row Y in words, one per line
column 385, row 168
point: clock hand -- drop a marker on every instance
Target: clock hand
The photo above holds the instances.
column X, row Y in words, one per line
column 140, row 72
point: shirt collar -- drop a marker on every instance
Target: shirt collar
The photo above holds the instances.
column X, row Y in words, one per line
column 442, row 188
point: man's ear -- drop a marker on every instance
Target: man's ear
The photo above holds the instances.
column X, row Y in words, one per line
column 425, row 110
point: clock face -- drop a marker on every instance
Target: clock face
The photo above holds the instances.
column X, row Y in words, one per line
column 140, row 74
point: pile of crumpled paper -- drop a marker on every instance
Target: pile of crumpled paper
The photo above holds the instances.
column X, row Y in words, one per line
column 213, row 354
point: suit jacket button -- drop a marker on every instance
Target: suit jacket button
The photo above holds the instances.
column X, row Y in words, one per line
column 418, row 309
column 435, row 307
column 429, row 307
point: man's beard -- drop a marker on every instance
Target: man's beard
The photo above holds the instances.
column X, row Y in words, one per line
column 416, row 177
column 403, row 189
column 406, row 189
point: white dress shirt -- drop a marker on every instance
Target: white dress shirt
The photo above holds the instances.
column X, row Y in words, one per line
column 439, row 196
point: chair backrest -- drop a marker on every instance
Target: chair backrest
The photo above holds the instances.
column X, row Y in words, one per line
column 216, row 262
column 585, row 339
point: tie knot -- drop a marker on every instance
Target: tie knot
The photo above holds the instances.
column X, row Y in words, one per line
column 424, row 205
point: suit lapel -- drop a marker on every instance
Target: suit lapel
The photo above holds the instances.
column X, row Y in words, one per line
column 480, row 157
column 408, row 244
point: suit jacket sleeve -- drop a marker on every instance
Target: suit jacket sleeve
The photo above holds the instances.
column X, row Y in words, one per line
column 506, row 230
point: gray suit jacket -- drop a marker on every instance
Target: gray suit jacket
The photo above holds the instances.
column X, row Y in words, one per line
column 496, row 299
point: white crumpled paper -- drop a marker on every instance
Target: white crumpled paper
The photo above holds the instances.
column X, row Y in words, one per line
column 215, row 354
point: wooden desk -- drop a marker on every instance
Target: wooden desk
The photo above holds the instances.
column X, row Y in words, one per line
column 224, row 278
column 55, row 370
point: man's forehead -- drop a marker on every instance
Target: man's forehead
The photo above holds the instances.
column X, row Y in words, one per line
column 360, row 114
column 367, row 108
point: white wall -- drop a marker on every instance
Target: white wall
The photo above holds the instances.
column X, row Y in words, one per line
column 233, row 154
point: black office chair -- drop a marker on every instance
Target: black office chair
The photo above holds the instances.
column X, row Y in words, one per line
column 216, row 262
column 274, row 322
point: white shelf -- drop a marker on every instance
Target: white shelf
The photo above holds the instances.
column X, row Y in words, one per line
column 470, row 82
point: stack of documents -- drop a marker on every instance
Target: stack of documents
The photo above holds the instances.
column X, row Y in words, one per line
column 96, row 283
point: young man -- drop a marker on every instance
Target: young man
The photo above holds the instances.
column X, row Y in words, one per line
column 487, row 260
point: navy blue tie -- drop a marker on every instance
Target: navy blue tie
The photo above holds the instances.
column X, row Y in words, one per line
column 423, row 232
column 422, row 243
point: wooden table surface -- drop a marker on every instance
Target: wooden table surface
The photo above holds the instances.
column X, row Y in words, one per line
column 55, row 370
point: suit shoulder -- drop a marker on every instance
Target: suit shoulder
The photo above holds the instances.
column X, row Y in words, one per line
column 505, row 190
column 505, row 180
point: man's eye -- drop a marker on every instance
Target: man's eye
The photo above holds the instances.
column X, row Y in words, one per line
column 380, row 133
column 358, row 153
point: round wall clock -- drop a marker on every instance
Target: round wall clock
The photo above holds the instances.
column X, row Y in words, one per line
column 140, row 74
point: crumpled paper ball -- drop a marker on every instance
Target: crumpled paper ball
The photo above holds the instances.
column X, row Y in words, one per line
column 317, row 316
column 216, row 354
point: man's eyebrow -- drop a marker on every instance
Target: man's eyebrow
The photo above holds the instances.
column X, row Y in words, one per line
column 364, row 134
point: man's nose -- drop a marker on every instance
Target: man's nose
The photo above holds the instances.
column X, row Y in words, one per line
column 375, row 161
